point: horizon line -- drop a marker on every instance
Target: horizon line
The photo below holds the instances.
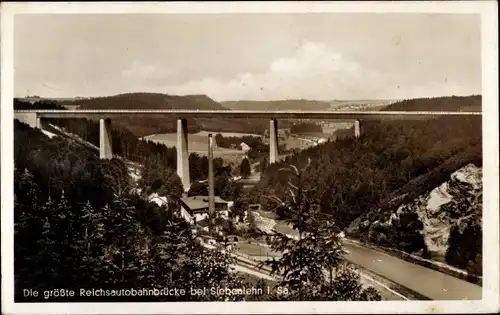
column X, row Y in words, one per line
column 245, row 100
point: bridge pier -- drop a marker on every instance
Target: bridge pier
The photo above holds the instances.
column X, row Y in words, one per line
column 273, row 141
column 105, row 145
column 42, row 123
column 357, row 130
column 183, row 154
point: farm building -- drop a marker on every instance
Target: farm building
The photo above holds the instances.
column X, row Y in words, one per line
column 197, row 207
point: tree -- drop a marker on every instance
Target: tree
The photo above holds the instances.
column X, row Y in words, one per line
column 90, row 246
column 157, row 178
column 263, row 164
column 310, row 259
column 346, row 286
column 219, row 140
column 198, row 189
column 209, row 268
column 127, row 237
column 305, row 258
column 224, row 187
column 252, row 223
column 245, row 169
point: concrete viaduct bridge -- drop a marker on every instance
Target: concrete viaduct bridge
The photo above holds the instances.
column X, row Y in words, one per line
column 37, row 119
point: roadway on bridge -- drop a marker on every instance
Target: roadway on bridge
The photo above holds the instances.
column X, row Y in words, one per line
column 427, row 282
column 261, row 114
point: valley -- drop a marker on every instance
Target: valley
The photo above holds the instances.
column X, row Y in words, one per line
column 423, row 161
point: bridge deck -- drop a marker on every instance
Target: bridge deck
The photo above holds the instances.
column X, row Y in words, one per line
column 257, row 114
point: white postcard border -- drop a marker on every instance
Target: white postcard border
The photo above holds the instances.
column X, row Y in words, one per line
column 489, row 13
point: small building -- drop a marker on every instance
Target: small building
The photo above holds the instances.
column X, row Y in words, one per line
column 197, row 207
column 245, row 147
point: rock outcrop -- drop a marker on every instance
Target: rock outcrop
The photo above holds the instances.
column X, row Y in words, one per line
column 445, row 222
column 455, row 203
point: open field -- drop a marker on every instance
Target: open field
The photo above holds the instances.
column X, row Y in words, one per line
column 197, row 142
column 297, row 143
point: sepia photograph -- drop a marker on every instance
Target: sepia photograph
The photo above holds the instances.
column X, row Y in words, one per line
column 174, row 153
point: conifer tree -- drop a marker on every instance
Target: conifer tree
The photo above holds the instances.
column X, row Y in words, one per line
column 309, row 261
column 245, row 169
column 90, row 245
column 44, row 270
column 127, row 236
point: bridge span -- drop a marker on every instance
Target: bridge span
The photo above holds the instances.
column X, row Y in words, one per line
column 247, row 114
column 37, row 119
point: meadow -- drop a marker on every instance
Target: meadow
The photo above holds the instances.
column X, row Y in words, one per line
column 198, row 143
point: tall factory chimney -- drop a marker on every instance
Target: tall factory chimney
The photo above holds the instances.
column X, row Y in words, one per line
column 211, row 190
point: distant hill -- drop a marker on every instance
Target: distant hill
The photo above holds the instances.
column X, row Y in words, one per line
column 146, row 100
column 50, row 99
column 277, row 105
column 143, row 125
column 446, row 103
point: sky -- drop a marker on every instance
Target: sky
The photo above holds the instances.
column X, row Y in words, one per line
column 322, row 56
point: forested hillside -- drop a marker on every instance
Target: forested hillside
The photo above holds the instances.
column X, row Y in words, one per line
column 392, row 163
column 452, row 103
column 149, row 101
column 78, row 226
column 44, row 104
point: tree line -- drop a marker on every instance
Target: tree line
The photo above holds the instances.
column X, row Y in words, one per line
column 234, row 142
column 305, row 127
column 258, row 149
